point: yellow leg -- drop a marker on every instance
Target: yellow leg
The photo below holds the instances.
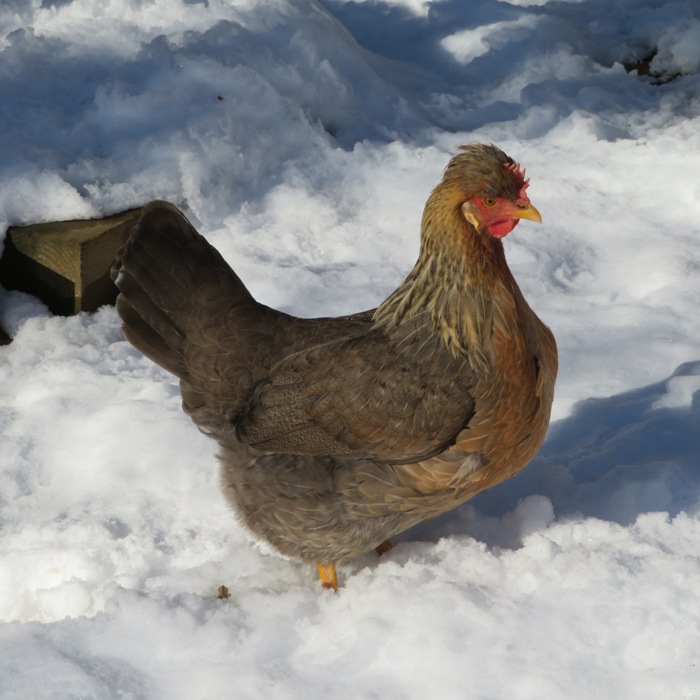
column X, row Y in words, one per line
column 329, row 579
column 384, row 547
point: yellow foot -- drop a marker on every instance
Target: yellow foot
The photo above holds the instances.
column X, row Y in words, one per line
column 329, row 579
column 384, row 547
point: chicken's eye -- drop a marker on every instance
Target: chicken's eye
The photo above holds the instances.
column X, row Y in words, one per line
column 489, row 202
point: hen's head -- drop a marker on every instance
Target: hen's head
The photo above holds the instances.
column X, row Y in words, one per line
column 490, row 189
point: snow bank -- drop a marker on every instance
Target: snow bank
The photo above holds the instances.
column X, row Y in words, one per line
column 303, row 139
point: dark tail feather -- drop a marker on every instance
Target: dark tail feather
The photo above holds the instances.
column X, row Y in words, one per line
column 165, row 273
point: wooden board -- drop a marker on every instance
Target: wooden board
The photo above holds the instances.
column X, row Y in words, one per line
column 66, row 263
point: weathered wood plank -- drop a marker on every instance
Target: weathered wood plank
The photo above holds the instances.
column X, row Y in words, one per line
column 66, row 263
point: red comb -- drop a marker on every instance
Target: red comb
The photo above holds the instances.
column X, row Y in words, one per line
column 519, row 176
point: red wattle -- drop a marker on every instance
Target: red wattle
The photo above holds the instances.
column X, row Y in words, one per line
column 502, row 228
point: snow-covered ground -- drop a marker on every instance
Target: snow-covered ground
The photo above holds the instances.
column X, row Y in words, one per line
column 302, row 137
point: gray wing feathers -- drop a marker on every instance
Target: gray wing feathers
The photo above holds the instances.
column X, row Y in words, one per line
column 326, row 387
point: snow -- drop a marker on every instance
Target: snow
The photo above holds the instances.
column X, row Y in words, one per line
column 303, row 138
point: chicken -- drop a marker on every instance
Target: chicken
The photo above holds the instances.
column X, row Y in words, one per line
column 337, row 433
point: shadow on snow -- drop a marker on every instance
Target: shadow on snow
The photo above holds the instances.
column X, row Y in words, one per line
column 613, row 458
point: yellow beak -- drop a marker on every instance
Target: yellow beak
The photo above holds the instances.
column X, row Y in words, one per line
column 526, row 212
